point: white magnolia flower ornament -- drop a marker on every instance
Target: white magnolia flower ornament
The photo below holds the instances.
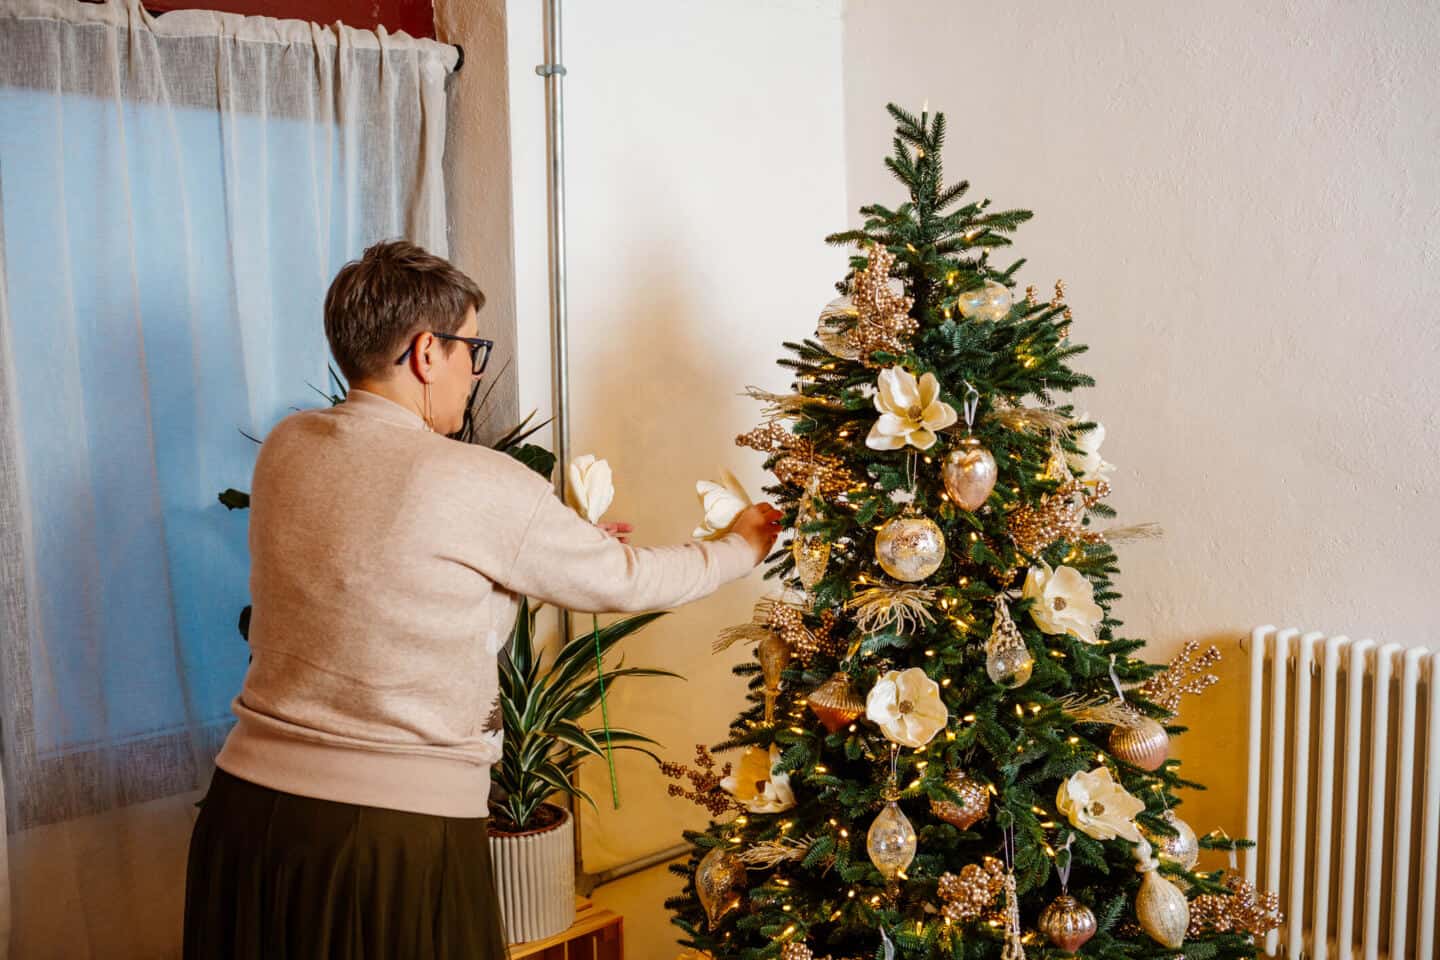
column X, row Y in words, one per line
column 1087, row 464
column 756, row 784
column 1064, row 602
column 1099, row 806
column 591, row 487
column 906, row 705
column 911, row 411
column 722, row 503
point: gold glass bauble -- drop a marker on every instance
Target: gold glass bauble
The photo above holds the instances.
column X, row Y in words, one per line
column 1141, row 743
column 1008, row 660
column 974, row 800
column 969, row 474
column 1067, row 923
column 910, row 547
column 812, row 556
column 1161, row 908
column 891, row 841
column 719, row 883
column 835, row 702
column 990, row 302
column 810, row 551
column 1182, row 850
column 774, row 656
column 1009, row 664
column 836, row 320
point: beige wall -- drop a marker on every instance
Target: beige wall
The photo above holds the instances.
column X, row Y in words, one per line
column 1243, row 199
column 477, row 178
column 705, row 167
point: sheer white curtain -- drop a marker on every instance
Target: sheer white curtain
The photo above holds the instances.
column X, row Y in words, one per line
column 175, row 194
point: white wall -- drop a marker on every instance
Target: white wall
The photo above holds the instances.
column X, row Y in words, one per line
column 705, row 159
column 1244, row 201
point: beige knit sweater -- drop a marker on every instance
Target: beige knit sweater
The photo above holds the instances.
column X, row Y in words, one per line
column 386, row 568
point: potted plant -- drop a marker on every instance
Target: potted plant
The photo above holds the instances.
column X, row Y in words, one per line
column 532, row 840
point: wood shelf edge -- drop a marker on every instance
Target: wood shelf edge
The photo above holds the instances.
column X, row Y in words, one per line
column 588, row 919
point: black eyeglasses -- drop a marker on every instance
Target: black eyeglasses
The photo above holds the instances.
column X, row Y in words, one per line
column 479, row 350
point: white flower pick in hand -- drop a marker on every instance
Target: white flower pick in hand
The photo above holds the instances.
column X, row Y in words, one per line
column 906, row 706
column 591, row 487
column 1099, row 806
column 722, row 503
column 911, row 411
column 1064, row 602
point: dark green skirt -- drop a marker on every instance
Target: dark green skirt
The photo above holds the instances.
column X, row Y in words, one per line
column 281, row 877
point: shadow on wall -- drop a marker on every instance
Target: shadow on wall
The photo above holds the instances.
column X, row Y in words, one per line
column 665, row 369
column 670, row 379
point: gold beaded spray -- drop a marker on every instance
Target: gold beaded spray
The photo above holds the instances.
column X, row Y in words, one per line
column 971, row 893
column 773, row 615
column 1240, row 911
column 798, row 951
column 1059, row 301
column 1058, row 516
column 883, row 323
column 769, row 437
column 787, row 621
column 704, row 777
column 799, row 465
column 1185, row 674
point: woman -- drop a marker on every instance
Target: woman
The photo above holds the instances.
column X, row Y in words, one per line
column 346, row 818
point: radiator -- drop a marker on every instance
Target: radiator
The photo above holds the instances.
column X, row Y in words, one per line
column 1343, row 794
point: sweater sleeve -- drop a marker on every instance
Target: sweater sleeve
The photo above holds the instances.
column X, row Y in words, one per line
column 564, row 560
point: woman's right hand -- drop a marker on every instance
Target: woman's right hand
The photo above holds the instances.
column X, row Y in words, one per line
column 759, row 525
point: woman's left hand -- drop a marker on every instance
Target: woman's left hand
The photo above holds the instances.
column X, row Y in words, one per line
column 620, row 531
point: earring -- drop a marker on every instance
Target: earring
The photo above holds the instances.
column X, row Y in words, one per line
column 429, row 424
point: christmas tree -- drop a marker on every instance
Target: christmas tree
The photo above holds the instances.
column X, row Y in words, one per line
column 950, row 749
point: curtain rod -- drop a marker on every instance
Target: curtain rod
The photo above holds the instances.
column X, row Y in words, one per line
column 459, row 50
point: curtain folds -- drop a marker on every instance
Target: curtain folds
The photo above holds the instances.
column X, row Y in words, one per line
column 175, row 194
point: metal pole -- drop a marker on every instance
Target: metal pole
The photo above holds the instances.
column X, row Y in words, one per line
column 554, row 73
column 587, row 884
column 553, row 70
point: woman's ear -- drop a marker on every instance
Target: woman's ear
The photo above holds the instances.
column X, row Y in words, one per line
column 424, row 355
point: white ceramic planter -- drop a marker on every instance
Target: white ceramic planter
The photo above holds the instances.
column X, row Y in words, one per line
column 535, row 880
